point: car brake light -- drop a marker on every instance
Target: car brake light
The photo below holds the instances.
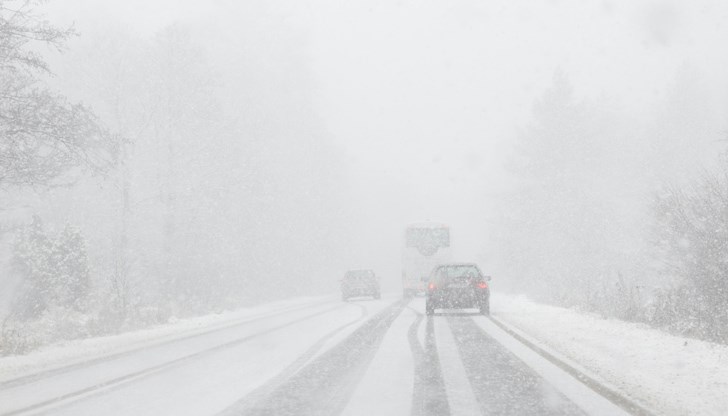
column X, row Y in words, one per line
column 431, row 286
column 482, row 285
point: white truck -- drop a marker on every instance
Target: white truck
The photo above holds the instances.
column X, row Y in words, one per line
column 425, row 246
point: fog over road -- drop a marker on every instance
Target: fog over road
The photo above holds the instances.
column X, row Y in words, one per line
column 322, row 357
column 193, row 192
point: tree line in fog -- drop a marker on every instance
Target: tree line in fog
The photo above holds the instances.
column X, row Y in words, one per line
column 620, row 215
column 148, row 177
column 144, row 177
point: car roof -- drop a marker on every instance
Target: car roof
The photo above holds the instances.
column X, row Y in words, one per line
column 427, row 225
column 456, row 264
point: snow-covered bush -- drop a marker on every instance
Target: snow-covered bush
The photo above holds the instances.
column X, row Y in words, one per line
column 55, row 283
column 54, row 269
column 54, row 324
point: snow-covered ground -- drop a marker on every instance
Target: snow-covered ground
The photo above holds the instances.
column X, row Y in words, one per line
column 67, row 353
column 196, row 366
column 670, row 374
column 256, row 351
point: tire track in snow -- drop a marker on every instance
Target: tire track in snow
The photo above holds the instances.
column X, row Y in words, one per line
column 324, row 386
column 501, row 382
column 269, row 387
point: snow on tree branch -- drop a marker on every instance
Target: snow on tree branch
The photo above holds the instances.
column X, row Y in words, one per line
column 42, row 135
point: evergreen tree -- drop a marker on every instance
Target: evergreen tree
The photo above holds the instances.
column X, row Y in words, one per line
column 71, row 270
column 554, row 227
column 32, row 251
column 55, row 270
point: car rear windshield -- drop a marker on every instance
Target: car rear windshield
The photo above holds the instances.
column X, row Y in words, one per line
column 454, row 272
column 359, row 274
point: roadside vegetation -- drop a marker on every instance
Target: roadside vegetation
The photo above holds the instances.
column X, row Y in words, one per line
column 621, row 216
column 146, row 177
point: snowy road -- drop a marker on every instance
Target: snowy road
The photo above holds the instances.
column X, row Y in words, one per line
column 327, row 357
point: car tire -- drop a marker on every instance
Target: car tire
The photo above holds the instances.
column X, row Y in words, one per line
column 485, row 308
column 429, row 309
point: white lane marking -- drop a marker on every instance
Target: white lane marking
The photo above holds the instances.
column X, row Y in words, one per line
column 460, row 394
column 584, row 397
column 387, row 385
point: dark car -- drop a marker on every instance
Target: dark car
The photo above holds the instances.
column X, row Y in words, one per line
column 360, row 283
column 456, row 286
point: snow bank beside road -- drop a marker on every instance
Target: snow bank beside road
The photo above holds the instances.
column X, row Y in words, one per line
column 71, row 352
column 670, row 374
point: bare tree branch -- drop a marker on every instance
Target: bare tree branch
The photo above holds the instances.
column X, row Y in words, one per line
column 42, row 135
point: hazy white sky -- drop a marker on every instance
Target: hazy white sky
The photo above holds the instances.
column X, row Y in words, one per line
column 426, row 97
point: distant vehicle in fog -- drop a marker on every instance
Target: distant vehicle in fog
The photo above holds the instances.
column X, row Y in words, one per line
column 425, row 246
column 456, row 286
column 360, row 283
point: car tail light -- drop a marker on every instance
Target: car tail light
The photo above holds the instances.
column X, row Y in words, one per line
column 482, row 285
column 431, row 287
